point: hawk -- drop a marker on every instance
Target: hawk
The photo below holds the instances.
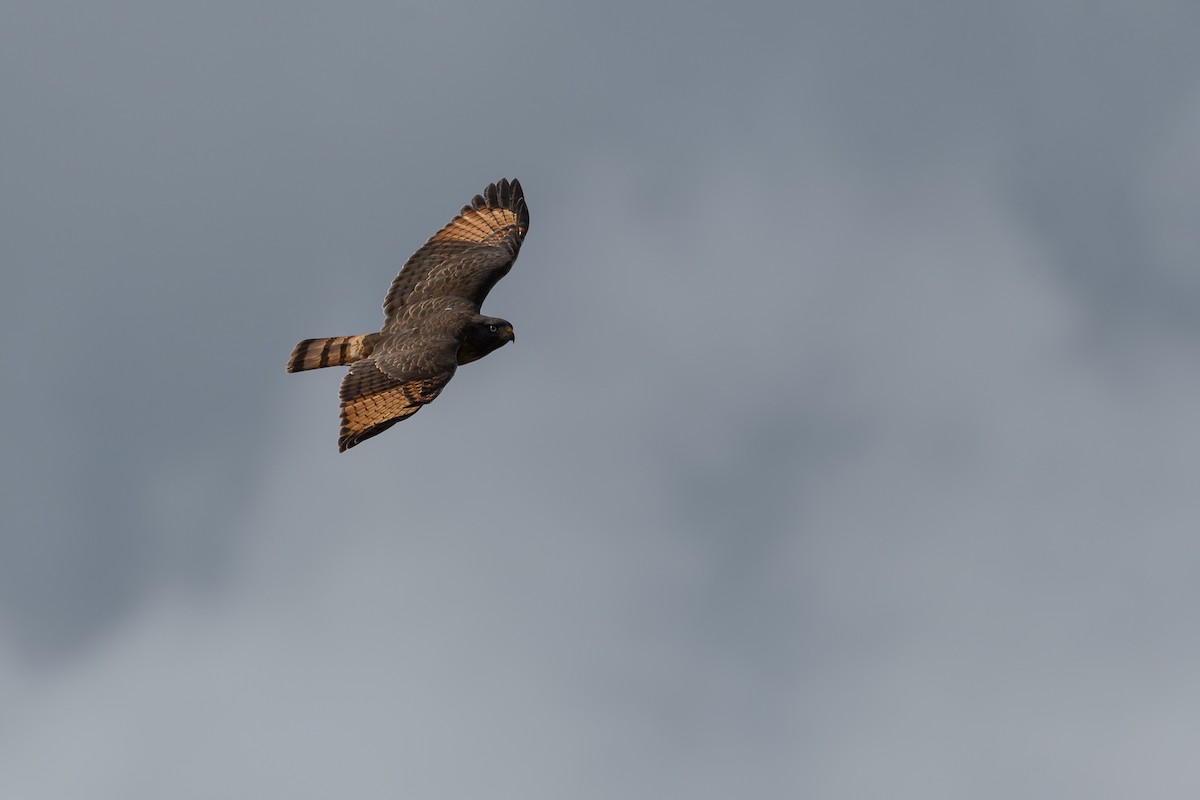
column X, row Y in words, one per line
column 431, row 315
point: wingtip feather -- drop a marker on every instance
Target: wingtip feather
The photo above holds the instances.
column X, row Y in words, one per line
column 506, row 194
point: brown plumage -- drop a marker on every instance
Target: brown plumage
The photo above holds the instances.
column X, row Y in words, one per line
column 431, row 318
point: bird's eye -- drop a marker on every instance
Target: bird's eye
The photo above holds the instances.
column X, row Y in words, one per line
column 492, row 328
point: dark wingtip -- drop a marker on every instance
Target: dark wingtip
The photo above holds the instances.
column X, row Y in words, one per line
column 504, row 194
column 346, row 439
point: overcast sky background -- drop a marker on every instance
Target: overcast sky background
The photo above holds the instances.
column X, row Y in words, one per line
column 849, row 448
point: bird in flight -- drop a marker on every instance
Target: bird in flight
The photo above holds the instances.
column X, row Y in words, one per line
column 431, row 318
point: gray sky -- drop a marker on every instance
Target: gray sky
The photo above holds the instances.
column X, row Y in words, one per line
column 849, row 448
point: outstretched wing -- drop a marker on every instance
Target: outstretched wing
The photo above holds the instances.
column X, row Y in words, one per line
column 465, row 258
column 392, row 385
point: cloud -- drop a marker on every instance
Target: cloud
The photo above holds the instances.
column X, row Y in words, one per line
column 844, row 449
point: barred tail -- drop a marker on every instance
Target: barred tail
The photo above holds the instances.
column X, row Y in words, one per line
column 331, row 352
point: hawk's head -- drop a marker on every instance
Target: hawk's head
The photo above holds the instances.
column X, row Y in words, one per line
column 483, row 336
